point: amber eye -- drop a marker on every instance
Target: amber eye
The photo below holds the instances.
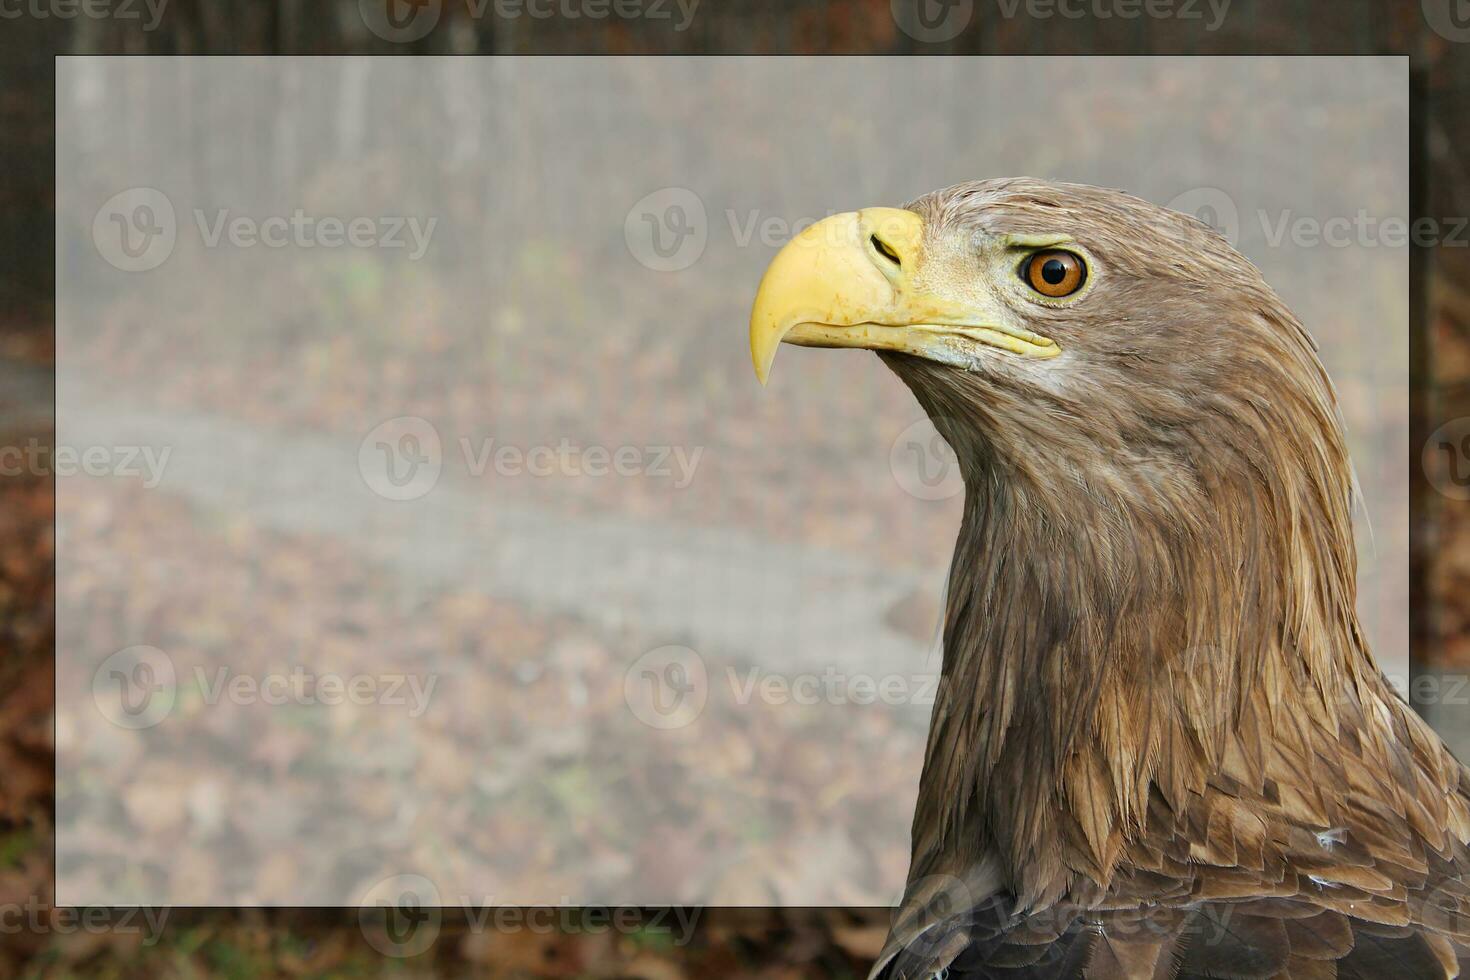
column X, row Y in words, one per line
column 1054, row 273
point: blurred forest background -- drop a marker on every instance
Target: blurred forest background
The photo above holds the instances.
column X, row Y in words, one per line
column 778, row 944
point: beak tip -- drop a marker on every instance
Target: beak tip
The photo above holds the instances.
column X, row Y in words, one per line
column 763, row 353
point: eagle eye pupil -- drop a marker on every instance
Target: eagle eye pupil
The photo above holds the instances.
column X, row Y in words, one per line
column 1054, row 273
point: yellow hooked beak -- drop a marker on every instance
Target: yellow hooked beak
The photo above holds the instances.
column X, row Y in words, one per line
column 854, row 280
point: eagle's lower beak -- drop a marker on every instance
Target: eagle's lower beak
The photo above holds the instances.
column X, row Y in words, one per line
column 850, row 281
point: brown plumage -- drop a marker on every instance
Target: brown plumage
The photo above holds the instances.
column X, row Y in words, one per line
column 1160, row 746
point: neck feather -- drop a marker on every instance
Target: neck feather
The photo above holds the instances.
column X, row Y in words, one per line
column 1113, row 616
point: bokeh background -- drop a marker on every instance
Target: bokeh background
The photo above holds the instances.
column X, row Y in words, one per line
column 834, row 943
column 326, row 410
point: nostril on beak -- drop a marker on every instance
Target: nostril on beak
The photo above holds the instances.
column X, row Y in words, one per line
column 883, row 249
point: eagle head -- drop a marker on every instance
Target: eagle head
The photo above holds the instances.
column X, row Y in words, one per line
column 1062, row 332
